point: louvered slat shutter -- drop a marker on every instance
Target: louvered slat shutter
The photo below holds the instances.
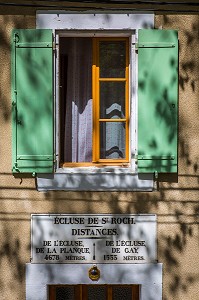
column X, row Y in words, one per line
column 157, row 101
column 32, row 101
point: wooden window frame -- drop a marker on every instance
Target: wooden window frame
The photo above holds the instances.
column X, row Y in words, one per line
column 96, row 79
column 96, row 161
column 81, row 290
column 77, row 290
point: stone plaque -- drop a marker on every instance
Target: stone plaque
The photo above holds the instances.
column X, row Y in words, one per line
column 93, row 238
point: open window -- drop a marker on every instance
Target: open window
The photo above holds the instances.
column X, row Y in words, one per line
column 94, row 101
column 116, row 106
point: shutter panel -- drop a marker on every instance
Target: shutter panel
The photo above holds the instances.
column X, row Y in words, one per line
column 157, row 100
column 32, row 101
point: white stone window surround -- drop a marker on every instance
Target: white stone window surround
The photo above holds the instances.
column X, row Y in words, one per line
column 91, row 24
column 39, row 276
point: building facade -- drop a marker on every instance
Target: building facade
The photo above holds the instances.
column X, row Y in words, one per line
column 99, row 137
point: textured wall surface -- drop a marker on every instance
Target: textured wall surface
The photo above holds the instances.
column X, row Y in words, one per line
column 175, row 202
column 178, row 202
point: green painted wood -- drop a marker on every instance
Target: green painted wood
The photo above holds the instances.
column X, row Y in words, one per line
column 32, row 101
column 157, row 101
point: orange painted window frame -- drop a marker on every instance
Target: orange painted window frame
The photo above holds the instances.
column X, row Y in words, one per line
column 96, row 161
column 96, row 101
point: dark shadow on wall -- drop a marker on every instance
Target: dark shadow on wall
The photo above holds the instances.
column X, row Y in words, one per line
column 12, row 262
column 10, row 251
column 171, row 245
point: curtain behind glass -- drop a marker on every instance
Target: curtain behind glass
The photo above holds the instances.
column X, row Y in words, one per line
column 112, row 64
column 78, row 127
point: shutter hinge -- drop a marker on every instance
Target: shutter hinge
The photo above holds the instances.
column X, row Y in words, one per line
column 135, row 46
column 55, row 162
column 15, row 168
column 15, row 97
column 16, row 37
column 156, row 157
column 54, row 46
column 156, row 174
column 155, row 45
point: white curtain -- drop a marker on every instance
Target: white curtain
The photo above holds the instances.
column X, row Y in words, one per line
column 78, row 125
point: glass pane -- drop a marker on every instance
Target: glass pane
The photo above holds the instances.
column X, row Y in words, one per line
column 77, row 99
column 112, row 100
column 96, row 293
column 123, row 292
column 112, row 140
column 65, row 293
column 112, row 59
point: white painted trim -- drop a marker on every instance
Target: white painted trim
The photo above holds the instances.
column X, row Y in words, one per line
column 39, row 276
column 61, row 20
column 95, row 180
column 97, row 24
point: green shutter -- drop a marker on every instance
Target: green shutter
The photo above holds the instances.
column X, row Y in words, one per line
column 157, row 101
column 32, row 101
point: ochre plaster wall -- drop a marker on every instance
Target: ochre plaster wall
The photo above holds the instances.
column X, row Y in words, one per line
column 178, row 202
column 175, row 202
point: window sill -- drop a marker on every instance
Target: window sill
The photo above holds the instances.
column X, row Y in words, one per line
column 95, row 179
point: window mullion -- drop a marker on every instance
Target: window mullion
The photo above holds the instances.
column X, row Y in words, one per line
column 109, row 292
column 84, row 291
column 52, row 292
column 127, row 99
column 135, row 292
column 112, row 79
column 95, row 96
